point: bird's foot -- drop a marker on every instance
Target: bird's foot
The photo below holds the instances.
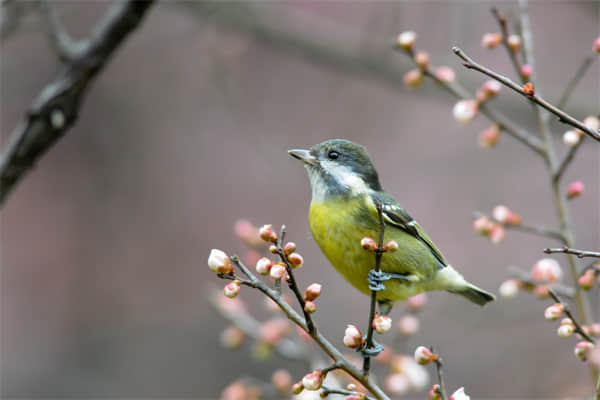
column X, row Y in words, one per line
column 376, row 279
column 371, row 351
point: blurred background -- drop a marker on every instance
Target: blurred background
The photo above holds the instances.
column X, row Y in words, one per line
column 105, row 288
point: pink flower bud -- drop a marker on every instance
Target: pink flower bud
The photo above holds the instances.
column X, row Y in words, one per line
column 583, row 350
column 566, row 328
column 424, row 356
column 356, row 396
column 406, row 40
column 489, row 138
column 232, row 337
column 483, row 225
column 510, row 288
column 491, row 88
column 312, row 291
column 597, row 45
column 382, row 323
column 235, row 391
column 282, row 381
column 497, row 234
column 413, row 78
column 297, row 388
column 586, row 281
column 546, row 270
column 514, row 219
column 594, row 329
column 459, row 395
column 445, row 74
column 526, row 71
column 289, row 248
column 232, row 289
column 465, row 111
column 408, row 325
column 501, row 213
column 575, row 189
column 529, row 89
column 491, row 40
column 415, row 303
column 592, row 122
column 273, row 249
column 435, row 393
column 422, row 59
column 541, row 292
column 219, row 262
column 391, row 246
column 313, row 381
column 295, row 260
column 277, row 271
column 267, row 234
column 263, row 266
column 553, row 312
column 352, row 337
column 310, row 306
column 514, row 42
column 368, row 244
column 571, row 138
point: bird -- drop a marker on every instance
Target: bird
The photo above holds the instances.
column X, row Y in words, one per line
column 348, row 203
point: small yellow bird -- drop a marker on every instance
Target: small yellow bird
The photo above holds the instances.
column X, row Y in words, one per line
column 345, row 189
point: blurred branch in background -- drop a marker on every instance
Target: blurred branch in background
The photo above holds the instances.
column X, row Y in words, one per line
column 56, row 108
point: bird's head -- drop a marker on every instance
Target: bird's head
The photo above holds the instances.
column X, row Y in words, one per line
column 338, row 167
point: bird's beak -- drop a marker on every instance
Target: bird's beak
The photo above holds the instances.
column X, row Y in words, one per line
column 304, row 156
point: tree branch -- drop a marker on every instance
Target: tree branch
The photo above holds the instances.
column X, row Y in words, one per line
column 568, row 250
column 537, row 230
column 568, row 313
column 56, row 108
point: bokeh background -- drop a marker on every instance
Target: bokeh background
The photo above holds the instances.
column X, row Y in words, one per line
column 105, row 289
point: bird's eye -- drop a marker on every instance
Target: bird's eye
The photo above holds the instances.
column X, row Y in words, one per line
column 333, row 155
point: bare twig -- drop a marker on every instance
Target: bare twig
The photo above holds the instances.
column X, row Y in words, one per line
column 566, row 161
column 567, row 311
column 501, row 19
column 56, row 108
column 564, row 98
column 563, row 116
column 440, row 373
column 576, row 252
column 537, row 230
column 66, row 48
column 325, row 390
column 525, row 278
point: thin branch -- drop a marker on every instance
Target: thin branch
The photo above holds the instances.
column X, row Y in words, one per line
column 564, row 98
column 327, row 390
column 57, row 106
column 66, row 48
column 501, row 19
column 566, row 161
column 576, row 252
column 525, row 278
column 440, row 373
column 563, row 117
column 537, row 230
column 567, row 311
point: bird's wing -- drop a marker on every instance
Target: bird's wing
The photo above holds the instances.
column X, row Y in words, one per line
column 397, row 216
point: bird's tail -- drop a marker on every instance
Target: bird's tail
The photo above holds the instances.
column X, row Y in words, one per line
column 475, row 294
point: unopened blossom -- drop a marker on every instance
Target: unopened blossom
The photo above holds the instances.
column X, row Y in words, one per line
column 553, row 312
column 526, row 71
column 356, row 396
column 397, row 384
column 368, row 243
column 312, row 291
column 295, row 260
column 491, row 40
column 586, row 280
column 529, row 89
column 297, row 388
column 416, row 302
column 497, row 234
column 489, row 138
column 501, row 213
column 408, row 325
column 541, row 292
column 465, row 111
column 514, row 42
column 594, row 329
column 282, row 381
column 232, row 337
column 267, row 234
column 289, row 248
column 510, row 288
column 566, row 328
column 435, row 393
column 583, row 350
column 406, row 40
column 488, row 90
column 459, row 395
column 391, row 246
column 382, row 324
column 422, row 59
column 445, row 74
column 546, row 270
column 483, row 225
column 310, row 306
column 219, row 262
column 424, row 356
column 352, row 337
column 597, row 45
column 413, row 78
column 232, row 289
column 592, row 122
column 263, row 266
column 575, row 189
column 277, row 271
column 571, row 138
column 313, row 380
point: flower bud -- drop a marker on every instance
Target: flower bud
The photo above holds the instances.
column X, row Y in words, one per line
column 424, row 356
column 263, row 266
column 586, row 281
column 526, row 71
column 497, row 234
column 514, row 42
column 592, row 122
column 406, row 40
column 413, row 78
column 313, row 381
column 391, row 246
column 282, row 381
column 289, row 248
column 583, row 350
column 490, row 88
column 571, row 138
column 594, row 329
column 295, row 260
column 297, row 388
column 435, row 393
column 416, row 302
column 352, row 337
column 489, row 138
column 566, row 328
column 597, row 45
column 422, row 59
column 368, row 244
column 273, row 249
column 483, row 225
column 553, row 312
column 575, row 189
column 514, row 219
column 465, row 111
column 277, row 271
column 445, row 74
column 310, row 306
column 408, row 325
column 382, row 323
column 546, row 270
column 510, row 288
column 267, row 234
column 232, row 337
column 356, row 396
column 232, row 289
column 541, row 292
column 529, row 89
column 219, row 262
column 491, row 40
column 501, row 213
column 459, row 395
column 312, row 291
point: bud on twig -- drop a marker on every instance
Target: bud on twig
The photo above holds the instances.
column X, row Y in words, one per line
column 295, row 260
column 529, row 89
column 263, row 266
column 465, row 111
column 491, row 40
column 232, row 289
column 406, row 40
column 553, row 312
column 267, row 234
column 575, row 189
column 413, row 78
column 289, row 248
column 546, row 270
column 310, row 306
column 586, row 281
column 583, row 350
column 219, row 262
column 422, row 59
column 572, row 137
column 526, row 71
column 312, row 292
column 566, row 328
column 391, row 246
column 313, row 381
column 352, row 337
column 445, row 74
column 382, row 323
column 368, row 243
column 277, row 271
column 510, row 288
column 514, row 43
column 424, row 356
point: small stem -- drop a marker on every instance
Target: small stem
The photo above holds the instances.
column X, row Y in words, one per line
column 327, row 390
column 501, row 19
column 524, row 277
column 566, row 161
column 578, row 328
column 576, row 252
column 440, row 374
column 537, row 230
column 564, row 98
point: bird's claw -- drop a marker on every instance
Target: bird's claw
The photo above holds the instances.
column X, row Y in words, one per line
column 376, row 279
column 371, row 351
